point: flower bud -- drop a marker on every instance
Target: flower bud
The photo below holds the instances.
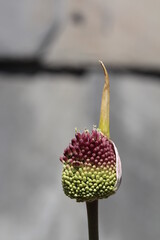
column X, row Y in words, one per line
column 92, row 167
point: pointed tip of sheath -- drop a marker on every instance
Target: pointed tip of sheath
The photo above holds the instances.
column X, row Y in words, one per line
column 105, row 105
column 105, row 71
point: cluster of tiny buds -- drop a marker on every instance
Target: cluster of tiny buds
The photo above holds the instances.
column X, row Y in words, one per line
column 88, row 184
column 89, row 149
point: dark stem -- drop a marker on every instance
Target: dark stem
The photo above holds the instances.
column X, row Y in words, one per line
column 92, row 213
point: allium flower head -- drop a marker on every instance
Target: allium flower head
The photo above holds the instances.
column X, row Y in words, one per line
column 92, row 167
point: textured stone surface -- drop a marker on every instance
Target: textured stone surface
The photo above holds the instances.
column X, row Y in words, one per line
column 37, row 119
column 25, row 24
column 78, row 32
column 123, row 33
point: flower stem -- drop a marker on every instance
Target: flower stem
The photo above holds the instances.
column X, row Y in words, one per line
column 92, row 213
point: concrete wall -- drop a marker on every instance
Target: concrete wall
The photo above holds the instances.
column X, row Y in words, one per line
column 121, row 32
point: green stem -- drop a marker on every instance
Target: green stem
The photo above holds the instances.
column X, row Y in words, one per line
column 92, row 213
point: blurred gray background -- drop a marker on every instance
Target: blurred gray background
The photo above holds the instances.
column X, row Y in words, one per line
column 50, row 83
